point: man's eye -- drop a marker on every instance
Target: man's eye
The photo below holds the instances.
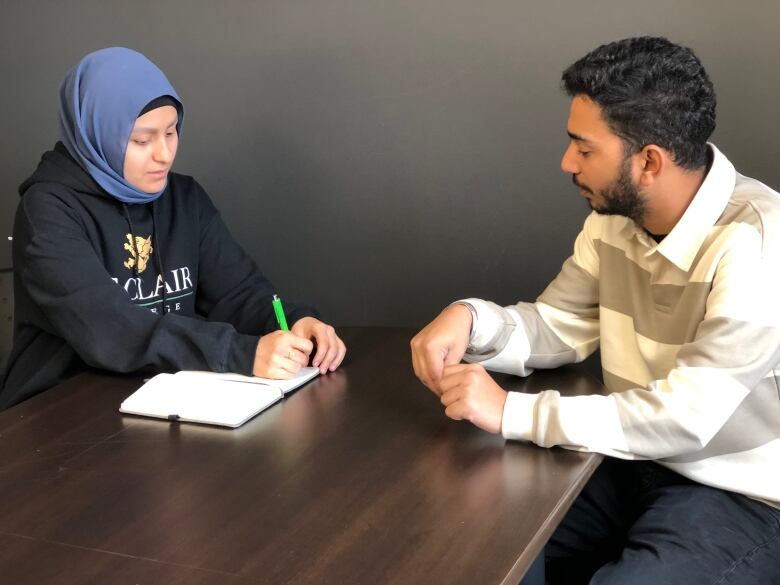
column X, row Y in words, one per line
column 584, row 153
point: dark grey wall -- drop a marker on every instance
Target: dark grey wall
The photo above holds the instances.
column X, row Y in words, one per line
column 383, row 158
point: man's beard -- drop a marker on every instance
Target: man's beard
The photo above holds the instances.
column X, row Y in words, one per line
column 621, row 197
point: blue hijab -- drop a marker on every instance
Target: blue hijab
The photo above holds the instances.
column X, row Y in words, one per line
column 100, row 100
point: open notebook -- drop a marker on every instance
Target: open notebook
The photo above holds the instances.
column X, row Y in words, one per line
column 208, row 397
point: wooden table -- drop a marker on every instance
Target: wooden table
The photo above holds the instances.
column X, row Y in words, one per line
column 357, row 477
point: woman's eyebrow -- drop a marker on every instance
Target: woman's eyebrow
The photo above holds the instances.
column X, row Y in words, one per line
column 152, row 130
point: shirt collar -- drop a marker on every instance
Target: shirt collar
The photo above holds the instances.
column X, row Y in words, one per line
column 682, row 244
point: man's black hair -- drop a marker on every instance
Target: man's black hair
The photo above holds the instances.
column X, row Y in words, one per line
column 651, row 91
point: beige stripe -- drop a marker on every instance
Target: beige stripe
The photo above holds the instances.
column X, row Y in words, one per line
column 660, row 357
column 662, row 312
column 581, row 335
column 619, row 352
column 628, row 248
column 615, row 383
column 755, row 423
column 570, row 288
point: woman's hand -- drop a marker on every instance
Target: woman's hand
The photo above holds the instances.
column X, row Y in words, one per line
column 330, row 349
column 279, row 355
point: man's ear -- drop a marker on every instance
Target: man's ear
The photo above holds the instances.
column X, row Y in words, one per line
column 652, row 161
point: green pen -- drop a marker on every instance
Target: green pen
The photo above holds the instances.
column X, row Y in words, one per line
column 280, row 318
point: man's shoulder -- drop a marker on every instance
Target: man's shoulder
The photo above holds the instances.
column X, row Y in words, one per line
column 748, row 191
column 755, row 204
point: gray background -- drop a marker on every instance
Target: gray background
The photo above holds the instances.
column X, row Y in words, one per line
column 383, row 158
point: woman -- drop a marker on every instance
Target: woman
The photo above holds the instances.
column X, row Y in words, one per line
column 122, row 265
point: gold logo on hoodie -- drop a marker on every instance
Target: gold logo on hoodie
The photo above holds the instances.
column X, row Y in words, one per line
column 144, row 247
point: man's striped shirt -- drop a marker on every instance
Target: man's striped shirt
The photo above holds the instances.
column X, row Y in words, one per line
column 689, row 331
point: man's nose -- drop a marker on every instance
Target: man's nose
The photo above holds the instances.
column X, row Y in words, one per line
column 569, row 161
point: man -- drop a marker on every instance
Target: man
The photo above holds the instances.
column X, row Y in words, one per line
column 675, row 276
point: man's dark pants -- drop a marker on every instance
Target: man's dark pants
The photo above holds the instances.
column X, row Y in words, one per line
column 638, row 523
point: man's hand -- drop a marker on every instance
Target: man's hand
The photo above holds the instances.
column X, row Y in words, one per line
column 441, row 343
column 469, row 393
column 279, row 355
column 330, row 349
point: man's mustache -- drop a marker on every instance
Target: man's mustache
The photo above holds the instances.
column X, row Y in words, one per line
column 580, row 185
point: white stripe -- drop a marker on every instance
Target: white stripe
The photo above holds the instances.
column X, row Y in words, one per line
column 752, row 292
column 572, row 422
column 699, row 399
column 715, row 244
column 755, row 473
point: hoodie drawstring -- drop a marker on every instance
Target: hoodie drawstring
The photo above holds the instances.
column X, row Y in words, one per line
column 132, row 238
column 158, row 256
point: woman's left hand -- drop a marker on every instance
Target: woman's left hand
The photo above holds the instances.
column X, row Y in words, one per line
column 330, row 349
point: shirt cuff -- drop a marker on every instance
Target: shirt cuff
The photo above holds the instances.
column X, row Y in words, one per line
column 240, row 358
column 517, row 422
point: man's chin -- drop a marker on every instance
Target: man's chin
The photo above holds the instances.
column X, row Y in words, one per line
column 597, row 208
column 605, row 209
column 635, row 215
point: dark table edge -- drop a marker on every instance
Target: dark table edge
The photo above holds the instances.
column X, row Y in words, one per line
column 535, row 547
column 513, row 576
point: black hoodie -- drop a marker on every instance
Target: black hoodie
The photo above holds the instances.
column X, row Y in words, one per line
column 88, row 290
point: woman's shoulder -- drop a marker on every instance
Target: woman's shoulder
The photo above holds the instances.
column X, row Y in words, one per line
column 181, row 185
column 59, row 179
column 186, row 194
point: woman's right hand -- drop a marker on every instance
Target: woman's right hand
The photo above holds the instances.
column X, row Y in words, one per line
column 279, row 355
